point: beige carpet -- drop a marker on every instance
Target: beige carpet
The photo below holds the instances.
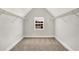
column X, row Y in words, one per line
column 41, row 44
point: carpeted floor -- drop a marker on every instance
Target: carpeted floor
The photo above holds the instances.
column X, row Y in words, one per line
column 42, row 44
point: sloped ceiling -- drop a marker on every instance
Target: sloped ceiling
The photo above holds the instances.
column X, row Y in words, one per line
column 18, row 11
column 24, row 11
column 59, row 11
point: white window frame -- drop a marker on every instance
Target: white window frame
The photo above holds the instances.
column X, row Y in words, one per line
column 38, row 19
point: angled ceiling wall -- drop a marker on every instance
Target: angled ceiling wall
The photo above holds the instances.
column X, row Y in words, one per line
column 24, row 11
column 18, row 11
column 59, row 11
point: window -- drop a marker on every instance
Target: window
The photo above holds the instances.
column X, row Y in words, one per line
column 39, row 23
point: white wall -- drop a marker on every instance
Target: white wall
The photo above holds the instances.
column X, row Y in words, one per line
column 29, row 24
column 10, row 31
column 18, row 11
column 59, row 11
column 67, row 31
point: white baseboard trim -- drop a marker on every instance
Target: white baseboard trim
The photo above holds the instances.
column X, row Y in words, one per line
column 65, row 45
column 11, row 46
column 39, row 36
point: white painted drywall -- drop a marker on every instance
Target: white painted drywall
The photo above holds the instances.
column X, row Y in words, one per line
column 59, row 11
column 18, row 11
column 67, row 30
column 48, row 24
column 10, row 31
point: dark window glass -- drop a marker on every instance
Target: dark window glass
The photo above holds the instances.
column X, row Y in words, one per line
column 39, row 24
